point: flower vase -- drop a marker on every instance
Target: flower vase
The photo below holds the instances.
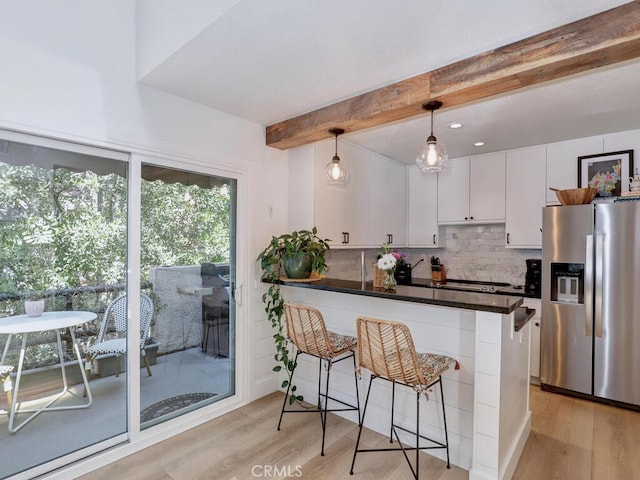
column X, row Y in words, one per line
column 389, row 281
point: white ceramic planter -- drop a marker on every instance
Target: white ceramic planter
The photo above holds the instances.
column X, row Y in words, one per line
column 34, row 308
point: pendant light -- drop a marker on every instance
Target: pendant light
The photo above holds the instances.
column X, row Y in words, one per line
column 335, row 173
column 432, row 157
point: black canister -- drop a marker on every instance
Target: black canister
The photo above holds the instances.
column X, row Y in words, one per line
column 403, row 273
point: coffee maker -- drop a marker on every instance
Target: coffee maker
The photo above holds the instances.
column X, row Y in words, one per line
column 533, row 278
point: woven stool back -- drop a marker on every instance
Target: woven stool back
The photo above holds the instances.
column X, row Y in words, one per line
column 307, row 331
column 386, row 349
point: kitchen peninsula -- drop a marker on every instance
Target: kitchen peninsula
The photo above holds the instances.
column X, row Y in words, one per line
column 487, row 400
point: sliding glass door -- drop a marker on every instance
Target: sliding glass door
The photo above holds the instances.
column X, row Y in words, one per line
column 68, row 217
column 63, row 244
column 187, row 255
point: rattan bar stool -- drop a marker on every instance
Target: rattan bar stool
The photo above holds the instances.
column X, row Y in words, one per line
column 386, row 349
column 307, row 331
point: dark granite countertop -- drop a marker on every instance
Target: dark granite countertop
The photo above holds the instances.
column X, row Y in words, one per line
column 502, row 289
column 522, row 317
column 486, row 302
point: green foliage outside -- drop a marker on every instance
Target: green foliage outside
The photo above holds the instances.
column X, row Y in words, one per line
column 183, row 225
column 61, row 229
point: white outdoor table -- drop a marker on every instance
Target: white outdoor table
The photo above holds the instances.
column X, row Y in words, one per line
column 48, row 321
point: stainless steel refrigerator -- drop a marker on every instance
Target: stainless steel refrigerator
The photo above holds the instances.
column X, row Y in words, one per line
column 590, row 332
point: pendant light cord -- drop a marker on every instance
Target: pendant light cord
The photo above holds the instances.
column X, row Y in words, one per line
column 432, row 123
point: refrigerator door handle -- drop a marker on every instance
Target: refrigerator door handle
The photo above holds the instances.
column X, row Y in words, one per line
column 598, row 285
column 588, row 287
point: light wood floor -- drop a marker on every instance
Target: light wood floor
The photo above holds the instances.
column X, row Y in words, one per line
column 578, row 439
column 570, row 439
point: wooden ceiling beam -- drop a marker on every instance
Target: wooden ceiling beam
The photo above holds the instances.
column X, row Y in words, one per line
column 604, row 39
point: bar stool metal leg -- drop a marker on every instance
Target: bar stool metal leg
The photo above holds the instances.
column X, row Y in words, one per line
column 323, row 413
column 364, row 412
column 444, row 417
column 394, row 431
column 323, row 397
column 355, row 377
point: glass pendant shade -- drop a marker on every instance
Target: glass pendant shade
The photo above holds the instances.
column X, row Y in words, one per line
column 433, row 156
column 335, row 173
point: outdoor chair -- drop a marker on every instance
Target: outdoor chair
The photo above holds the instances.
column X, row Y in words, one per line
column 5, row 378
column 114, row 322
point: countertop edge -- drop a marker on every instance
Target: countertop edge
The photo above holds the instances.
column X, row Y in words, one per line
column 485, row 302
column 522, row 317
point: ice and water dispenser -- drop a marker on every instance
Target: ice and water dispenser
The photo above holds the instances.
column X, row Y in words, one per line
column 567, row 283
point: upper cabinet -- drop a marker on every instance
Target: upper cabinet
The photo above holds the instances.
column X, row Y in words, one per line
column 562, row 163
column 387, row 194
column 472, row 190
column 370, row 209
column 388, row 202
column 340, row 212
column 453, row 191
column 422, row 214
column 526, row 196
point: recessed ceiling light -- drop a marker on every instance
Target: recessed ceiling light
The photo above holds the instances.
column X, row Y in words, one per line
column 455, row 125
column 479, row 144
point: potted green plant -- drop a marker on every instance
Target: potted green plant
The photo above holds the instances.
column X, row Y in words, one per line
column 34, row 305
column 34, row 294
column 299, row 253
column 304, row 252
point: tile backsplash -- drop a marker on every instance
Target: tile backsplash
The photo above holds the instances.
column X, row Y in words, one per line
column 470, row 252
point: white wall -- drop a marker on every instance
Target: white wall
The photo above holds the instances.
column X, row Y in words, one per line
column 69, row 72
column 164, row 26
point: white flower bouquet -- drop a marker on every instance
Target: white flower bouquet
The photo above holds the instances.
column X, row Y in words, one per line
column 387, row 262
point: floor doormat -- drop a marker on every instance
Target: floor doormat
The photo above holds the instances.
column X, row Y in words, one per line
column 172, row 404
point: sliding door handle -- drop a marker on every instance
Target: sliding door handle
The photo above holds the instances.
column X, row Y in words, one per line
column 237, row 295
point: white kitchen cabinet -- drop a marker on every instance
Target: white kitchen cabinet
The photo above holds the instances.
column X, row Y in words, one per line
column 386, row 190
column 422, row 205
column 370, row 209
column 341, row 212
column 562, row 163
column 534, row 358
column 525, row 197
column 453, row 192
column 472, row 190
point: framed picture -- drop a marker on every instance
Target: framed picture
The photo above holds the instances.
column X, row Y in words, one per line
column 608, row 172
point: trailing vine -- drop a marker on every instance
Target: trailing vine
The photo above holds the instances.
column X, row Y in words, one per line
column 271, row 264
column 274, row 306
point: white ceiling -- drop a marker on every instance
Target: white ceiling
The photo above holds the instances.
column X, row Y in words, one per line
column 269, row 61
